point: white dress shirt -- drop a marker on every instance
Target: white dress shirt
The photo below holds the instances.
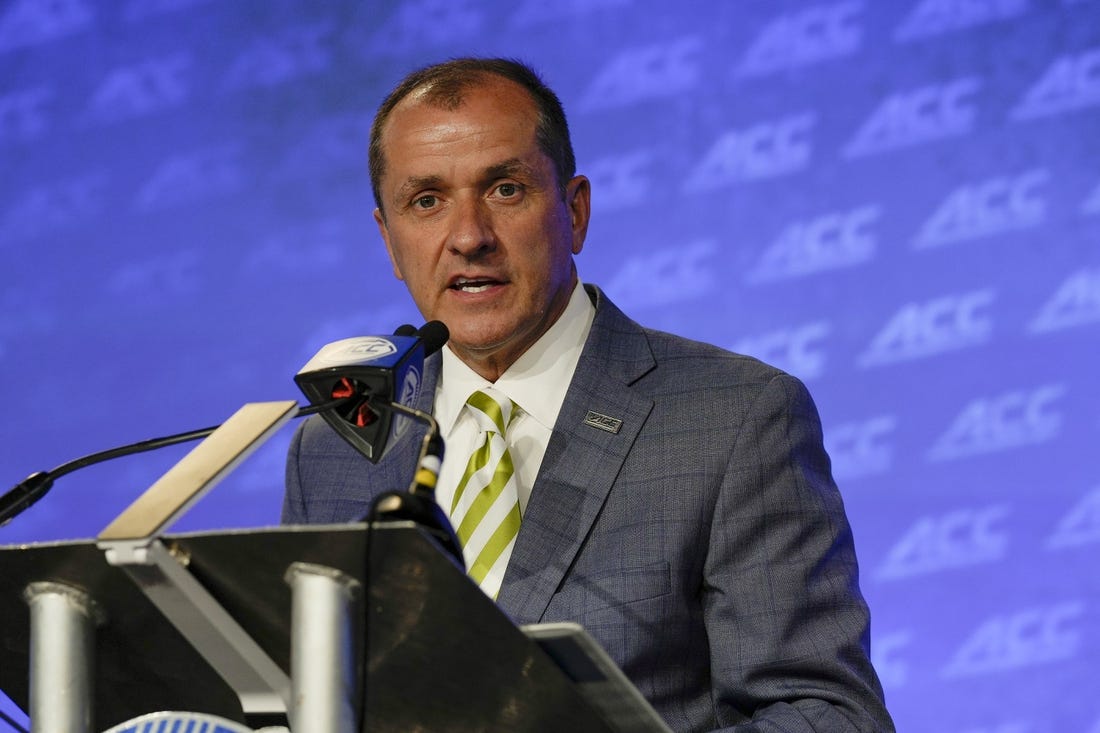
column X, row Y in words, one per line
column 537, row 382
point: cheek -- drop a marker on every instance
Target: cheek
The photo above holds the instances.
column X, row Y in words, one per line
column 555, row 245
column 397, row 269
column 410, row 263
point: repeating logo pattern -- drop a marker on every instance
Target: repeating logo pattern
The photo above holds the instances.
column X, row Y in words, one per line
column 897, row 202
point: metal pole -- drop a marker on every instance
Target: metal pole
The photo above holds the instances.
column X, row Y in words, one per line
column 63, row 621
column 324, row 688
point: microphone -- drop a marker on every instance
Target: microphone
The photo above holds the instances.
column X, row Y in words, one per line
column 374, row 376
column 365, row 373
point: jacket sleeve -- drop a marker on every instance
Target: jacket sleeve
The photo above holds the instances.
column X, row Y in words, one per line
column 781, row 568
column 294, row 505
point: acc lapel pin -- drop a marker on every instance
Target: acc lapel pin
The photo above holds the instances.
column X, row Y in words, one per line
column 603, row 422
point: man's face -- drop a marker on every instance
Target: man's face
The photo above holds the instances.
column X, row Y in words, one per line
column 475, row 222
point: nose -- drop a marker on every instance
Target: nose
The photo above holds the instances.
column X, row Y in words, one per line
column 471, row 232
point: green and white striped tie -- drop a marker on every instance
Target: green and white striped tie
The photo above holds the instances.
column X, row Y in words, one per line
column 485, row 510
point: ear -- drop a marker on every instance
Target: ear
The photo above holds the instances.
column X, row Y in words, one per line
column 578, row 198
column 385, row 232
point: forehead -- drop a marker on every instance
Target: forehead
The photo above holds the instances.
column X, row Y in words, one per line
column 490, row 114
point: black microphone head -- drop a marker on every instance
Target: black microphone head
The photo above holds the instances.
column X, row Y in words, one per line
column 433, row 334
column 366, row 373
column 405, row 329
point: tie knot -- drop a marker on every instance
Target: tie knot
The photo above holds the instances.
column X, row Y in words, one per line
column 492, row 409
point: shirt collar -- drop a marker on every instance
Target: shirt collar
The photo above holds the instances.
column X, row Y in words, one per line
column 537, row 380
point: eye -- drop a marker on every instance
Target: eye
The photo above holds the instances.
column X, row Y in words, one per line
column 425, row 202
column 508, row 190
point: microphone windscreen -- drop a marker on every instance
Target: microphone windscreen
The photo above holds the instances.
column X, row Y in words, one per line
column 433, row 334
column 405, row 329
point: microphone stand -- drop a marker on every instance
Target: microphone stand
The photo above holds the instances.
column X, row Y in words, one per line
column 418, row 503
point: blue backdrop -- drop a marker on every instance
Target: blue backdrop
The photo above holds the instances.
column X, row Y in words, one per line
column 898, row 202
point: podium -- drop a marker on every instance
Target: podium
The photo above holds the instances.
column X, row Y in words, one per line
column 324, row 629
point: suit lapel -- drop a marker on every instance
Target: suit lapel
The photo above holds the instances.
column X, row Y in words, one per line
column 581, row 463
column 426, row 399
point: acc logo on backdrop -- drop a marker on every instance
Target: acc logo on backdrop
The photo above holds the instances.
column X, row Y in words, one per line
column 832, row 241
column 57, row 205
column 1076, row 303
column 764, row 150
column 31, row 22
column 795, row 350
column 942, row 324
column 893, row 670
column 331, row 144
column 176, row 272
column 648, row 72
column 622, row 180
column 861, row 448
column 959, row 539
column 933, row 17
column 1069, row 83
column 199, row 174
column 290, row 55
column 406, row 32
column 989, row 207
column 1010, row 420
column 312, row 246
column 1033, row 636
column 540, row 11
column 665, row 277
column 1081, row 526
column 803, row 38
column 128, row 92
column 917, row 116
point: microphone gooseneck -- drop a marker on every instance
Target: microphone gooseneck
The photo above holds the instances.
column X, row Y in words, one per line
column 418, row 503
column 34, row 487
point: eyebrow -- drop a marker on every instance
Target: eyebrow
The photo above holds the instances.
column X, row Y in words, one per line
column 508, row 169
column 416, row 183
column 511, row 168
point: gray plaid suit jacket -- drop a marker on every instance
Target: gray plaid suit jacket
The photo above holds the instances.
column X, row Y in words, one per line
column 704, row 544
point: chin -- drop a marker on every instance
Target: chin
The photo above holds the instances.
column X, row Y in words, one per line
column 480, row 342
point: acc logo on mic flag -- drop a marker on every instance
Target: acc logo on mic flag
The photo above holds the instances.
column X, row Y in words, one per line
column 356, row 350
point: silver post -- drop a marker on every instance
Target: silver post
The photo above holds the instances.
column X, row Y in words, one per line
column 322, row 655
column 63, row 621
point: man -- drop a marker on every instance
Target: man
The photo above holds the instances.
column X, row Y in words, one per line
column 675, row 498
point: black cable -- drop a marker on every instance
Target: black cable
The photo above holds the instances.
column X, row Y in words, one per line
column 129, row 450
column 314, row 409
column 155, row 443
column 35, row 486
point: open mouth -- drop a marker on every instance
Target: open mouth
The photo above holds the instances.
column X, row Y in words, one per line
column 473, row 285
